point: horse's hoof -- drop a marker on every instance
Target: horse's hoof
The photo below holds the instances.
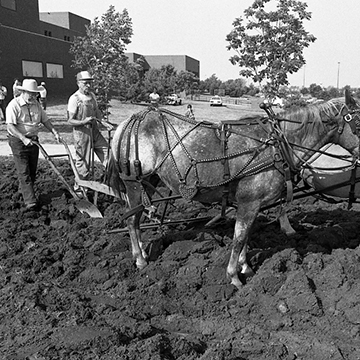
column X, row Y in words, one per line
column 141, row 264
column 247, row 271
column 237, row 283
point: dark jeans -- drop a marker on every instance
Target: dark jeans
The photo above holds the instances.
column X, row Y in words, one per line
column 26, row 161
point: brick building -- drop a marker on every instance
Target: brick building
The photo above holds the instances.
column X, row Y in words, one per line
column 36, row 45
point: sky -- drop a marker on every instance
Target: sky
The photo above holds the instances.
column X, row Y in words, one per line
column 198, row 28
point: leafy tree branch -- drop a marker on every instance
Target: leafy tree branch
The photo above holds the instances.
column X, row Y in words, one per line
column 102, row 51
column 270, row 41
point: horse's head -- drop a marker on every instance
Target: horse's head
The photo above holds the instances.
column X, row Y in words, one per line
column 348, row 121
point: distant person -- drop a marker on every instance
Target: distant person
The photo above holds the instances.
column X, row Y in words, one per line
column 190, row 112
column 154, row 98
column 16, row 91
column 43, row 95
column 83, row 115
column 24, row 118
column 3, row 93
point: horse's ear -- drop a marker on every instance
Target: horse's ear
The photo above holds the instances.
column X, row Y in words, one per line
column 349, row 100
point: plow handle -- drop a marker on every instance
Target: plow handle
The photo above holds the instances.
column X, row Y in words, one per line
column 51, row 163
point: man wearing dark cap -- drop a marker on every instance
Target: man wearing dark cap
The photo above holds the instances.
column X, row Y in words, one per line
column 83, row 115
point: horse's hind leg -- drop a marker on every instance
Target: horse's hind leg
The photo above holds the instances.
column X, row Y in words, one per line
column 245, row 218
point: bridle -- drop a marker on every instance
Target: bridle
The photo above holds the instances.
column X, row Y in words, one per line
column 352, row 117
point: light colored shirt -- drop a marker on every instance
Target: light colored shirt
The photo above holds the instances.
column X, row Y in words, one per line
column 90, row 105
column 16, row 91
column 190, row 114
column 3, row 92
column 43, row 93
column 154, row 98
column 28, row 119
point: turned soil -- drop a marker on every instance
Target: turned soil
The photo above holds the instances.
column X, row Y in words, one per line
column 70, row 288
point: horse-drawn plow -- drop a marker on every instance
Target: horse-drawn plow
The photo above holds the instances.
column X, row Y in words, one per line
column 330, row 171
column 249, row 165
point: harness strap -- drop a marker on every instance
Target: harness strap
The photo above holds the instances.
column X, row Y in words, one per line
column 226, row 175
column 137, row 162
column 128, row 130
column 352, row 188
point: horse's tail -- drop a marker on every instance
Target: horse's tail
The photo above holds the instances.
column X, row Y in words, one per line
column 113, row 175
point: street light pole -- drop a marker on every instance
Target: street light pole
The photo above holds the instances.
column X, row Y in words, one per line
column 304, row 76
column 338, row 73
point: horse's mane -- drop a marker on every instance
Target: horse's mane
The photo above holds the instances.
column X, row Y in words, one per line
column 311, row 117
column 315, row 112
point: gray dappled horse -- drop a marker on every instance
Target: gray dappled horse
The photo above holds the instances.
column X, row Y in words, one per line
column 246, row 163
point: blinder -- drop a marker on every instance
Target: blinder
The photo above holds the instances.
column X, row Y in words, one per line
column 351, row 119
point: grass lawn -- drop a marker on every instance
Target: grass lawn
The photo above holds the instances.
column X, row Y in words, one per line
column 119, row 112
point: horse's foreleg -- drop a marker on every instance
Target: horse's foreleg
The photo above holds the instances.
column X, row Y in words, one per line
column 285, row 225
column 138, row 252
column 244, row 221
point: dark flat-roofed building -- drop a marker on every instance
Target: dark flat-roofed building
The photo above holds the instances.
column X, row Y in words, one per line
column 179, row 62
column 36, row 45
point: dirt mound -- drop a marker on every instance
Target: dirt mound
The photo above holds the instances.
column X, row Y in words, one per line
column 70, row 289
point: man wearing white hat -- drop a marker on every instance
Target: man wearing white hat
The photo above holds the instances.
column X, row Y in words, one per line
column 83, row 115
column 24, row 118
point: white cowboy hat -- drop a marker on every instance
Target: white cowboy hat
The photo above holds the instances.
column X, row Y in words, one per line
column 30, row 85
column 84, row 75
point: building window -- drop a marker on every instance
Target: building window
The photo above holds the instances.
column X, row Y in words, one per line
column 46, row 33
column 32, row 68
column 9, row 4
column 54, row 71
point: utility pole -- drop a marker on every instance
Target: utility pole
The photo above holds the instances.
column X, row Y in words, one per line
column 304, row 76
column 338, row 74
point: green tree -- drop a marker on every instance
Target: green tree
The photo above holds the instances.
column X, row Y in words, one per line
column 211, row 84
column 235, row 88
column 304, row 91
column 163, row 79
column 333, row 92
column 270, row 43
column 187, row 81
column 315, row 90
column 102, row 51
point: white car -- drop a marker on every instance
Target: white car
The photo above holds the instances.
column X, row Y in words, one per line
column 216, row 101
column 173, row 99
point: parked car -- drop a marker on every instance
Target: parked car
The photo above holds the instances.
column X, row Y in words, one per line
column 173, row 99
column 216, row 101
